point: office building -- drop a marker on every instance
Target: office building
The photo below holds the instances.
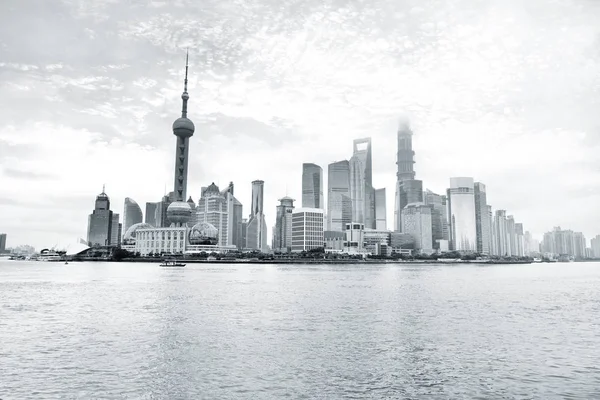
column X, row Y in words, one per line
column 595, row 246
column 520, row 240
column 312, row 186
column 235, row 212
column 380, row 210
column 2, row 242
column 339, row 203
column 212, row 209
column 150, row 216
column 408, row 192
column 461, row 214
column 416, row 220
column 405, row 160
column 374, row 239
column 482, row 222
column 307, row 229
column 362, row 193
column 132, row 213
column 103, row 224
column 439, row 217
column 256, row 229
column 282, row 234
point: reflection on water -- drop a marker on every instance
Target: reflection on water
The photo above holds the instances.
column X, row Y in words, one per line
column 391, row 331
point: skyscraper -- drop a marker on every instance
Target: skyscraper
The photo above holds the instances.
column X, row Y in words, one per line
column 500, row 237
column 520, row 239
column 482, row 221
column 212, row 208
column 361, row 184
column 380, row 210
column 312, row 186
column 595, row 245
column 461, row 214
column 103, row 224
column 439, row 217
column 2, row 242
column 511, row 236
column 132, row 214
column 235, row 211
column 307, row 229
column 339, row 203
column 416, row 219
column 408, row 190
column 151, row 214
column 256, row 230
column 282, row 235
column 179, row 211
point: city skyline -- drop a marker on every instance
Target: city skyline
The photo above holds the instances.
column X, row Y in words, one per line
column 105, row 116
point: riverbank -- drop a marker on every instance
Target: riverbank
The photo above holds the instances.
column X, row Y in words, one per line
column 320, row 261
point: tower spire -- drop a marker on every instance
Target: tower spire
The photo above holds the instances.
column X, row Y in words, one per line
column 103, row 187
column 185, row 96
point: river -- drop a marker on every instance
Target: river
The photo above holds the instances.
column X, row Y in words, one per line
column 138, row 331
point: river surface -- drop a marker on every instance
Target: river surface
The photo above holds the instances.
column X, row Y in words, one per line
column 137, row 331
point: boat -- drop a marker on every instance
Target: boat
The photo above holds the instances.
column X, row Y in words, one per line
column 49, row 255
column 171, row 263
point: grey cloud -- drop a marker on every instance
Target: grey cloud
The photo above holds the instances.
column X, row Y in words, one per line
column 23, row 174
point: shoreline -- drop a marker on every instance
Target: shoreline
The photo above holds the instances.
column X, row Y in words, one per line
column 307, row 261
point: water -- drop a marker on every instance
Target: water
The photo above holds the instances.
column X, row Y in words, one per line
column 137, row 331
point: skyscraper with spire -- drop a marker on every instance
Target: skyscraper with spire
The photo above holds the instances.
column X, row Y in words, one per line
column 408, row 189
column 179, row 211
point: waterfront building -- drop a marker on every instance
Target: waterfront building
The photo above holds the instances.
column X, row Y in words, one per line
column 595, row 246
column 373, row 239
column 362, row 193
column 380, row 210
column 355, row 236
column 2, row 242
column 405, row 160
column 501, row 247
column 439, row 217
column 150, row 216
column 564, row 243
column 307, row 229
column 339, row 203
column 483, row 227
column 132, row 213
column 235, row 212
column 402, row 242
column 212, row 208
column 461, row 214
column 520, row 240
column 103, row 224
column 408, row 192
column 312, row 186
column 335, row 241
column 256, row 229
column 282, row 233
column 416, row 220
column 511, row 236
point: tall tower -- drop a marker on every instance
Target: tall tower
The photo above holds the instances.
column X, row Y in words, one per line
column 362, row 193
column 179, row 211
column 408, row 189
column 312, row 186
column 256, row 230
column 339, row 203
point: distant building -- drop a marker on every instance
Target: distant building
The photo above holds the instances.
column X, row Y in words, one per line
column 282, row 233
column 501, row 246
column 151, row 209
column 461, row 215
column 564, row 243
column 335, row 240
column 339, row 203
column 595, row 246
column 373, row 239
column 312, row 186
column 402, row 242
column 212, row 208
column 483, row 227
column 103, row 224
column 416, row 220
column 439, row 217
column 194, row 218
column 355, row 236
column 256, row 229
column 361, row 183
column 520, row 240
column 405, row 160
column 132, row 213
column 408, row 192
column 2, row 242
column 380, row 210
column 235, row 212
column 307, row 229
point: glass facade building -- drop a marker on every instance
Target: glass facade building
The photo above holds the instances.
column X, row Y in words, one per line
column 461, row 215
column 483, row 223
column 339, row 203
column 312, row 186
column 132, row 213
column 256, row 229
column 361, row 183
column 282, row 234
column 380, row 209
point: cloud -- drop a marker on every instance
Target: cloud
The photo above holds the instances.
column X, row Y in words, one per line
column 507, row 92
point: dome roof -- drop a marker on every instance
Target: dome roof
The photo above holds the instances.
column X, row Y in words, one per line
column 183, row 127
column 179, row 212
column 203, row 234
column 129, row 237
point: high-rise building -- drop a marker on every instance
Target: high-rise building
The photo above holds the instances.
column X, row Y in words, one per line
column 361, row 183
column 282, row 235
column 2, row 242
column 439, row 217
column 307, row 229
column 212, row 208
column 564, row 243
column 312, row 186
column 151, row 209
column 511, row 236
column 339, row 203
column 380, row 210
column 405, row 160
column 194, row 218
column 407, row 192
column 482, row 221
column 501, row 243
column 256, row 230
column 132, row 213
column 103, row 224
column 520, row 240
column 595, row 245
column 461, row 214
column 235, row 212
column 416, row 220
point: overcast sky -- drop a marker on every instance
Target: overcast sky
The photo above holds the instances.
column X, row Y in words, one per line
column 506, row 91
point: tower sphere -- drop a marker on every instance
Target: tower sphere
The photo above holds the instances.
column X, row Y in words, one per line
column 179, row 212
column 183, row 127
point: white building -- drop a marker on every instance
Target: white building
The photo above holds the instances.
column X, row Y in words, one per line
column 307, row 229
column 416, row 221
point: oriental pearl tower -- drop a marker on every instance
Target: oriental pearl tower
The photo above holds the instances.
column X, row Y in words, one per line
column 179, row 212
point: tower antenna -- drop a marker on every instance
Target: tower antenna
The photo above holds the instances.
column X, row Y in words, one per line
column 103, row 188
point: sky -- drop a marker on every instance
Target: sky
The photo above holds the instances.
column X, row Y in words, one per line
column 505, row 91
